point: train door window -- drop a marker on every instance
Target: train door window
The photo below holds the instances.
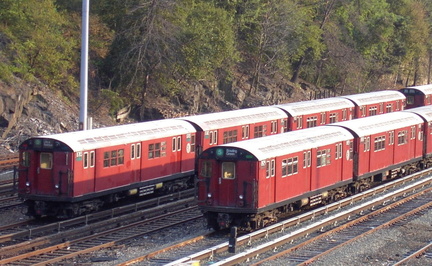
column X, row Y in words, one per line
column 379, row 143
column 366, row 144
column 362, row 111
column 397, row 105
column 133, row 151
column 307, row 159
column 273, row 166
column 338, row 153
column 344, row 114
column 138, row 150
column 323, row 118
column 245, row 132
column 389, row 108
column 428, row 101
column 206, row 169
column 273, row 127
column 92, row 159
column 228, row 170
column 284, row 123
column 192, row 144
column 391, row 137
column 25, row 159
column 299, row 120
column 86, row 160
column 270, row 168
column 413, row 132
column 179, row 143
column 381, row 108
column 174, row 144
column 213, row 137
column 46, row 160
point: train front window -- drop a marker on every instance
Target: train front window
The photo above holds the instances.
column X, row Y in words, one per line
column 25, row 159
column 228, row 170
column 46, row 160
column 206, row 169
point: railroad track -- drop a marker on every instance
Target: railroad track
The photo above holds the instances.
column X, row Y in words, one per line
column 265, row 239
column 58, row 241
column 8, row 162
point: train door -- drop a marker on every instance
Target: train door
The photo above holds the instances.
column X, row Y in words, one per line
column 44, row 175
column 176, row 155
column 85, row 182
column 227, row 184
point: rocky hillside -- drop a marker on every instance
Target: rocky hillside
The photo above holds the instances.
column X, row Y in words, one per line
column 34, row 109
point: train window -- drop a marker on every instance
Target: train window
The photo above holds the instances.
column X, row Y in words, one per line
column 397, row 105
column 389, row 108
column 333, row 118
column 311, row 121
column 323, row 118
column 379, row 143
column 307, row 159
column 92, row 159
column 192, row 143
column 289, row 166
column 273, row 127
column 25, row 159
column 323, row 158
column 133, row 151
column 284, row 123
column 258, row 131
column 106, row 162
column 381, row 108
column 120, row 156
column 113, row 158
column 45, row 160
column 86, row 160
column 206, row 169
column 372, row 111
column 228, row 170
column 230, row 136
column 402, row 137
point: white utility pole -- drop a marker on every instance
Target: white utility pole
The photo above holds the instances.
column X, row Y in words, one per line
column 84, row 65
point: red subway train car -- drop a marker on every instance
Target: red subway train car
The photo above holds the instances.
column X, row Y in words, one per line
column 248, row 184
column 417, row 96
column 69, row 174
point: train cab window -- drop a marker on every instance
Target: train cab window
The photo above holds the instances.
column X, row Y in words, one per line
column 25, row 159
column 192, row 144
column 228, row 170
column 46, row 160
column 206, row 169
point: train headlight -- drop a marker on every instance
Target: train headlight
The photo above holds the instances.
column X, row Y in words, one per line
column 209, row 195
column 56, row 186
column 241, row 197
column 27, row 184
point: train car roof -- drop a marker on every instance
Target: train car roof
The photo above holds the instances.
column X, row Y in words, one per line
column 380, row 123
column 290, row 142
column 375, row 97
column 316, row 106
column 236, row 117
column 424, row 111
column 123, row 134
column 425, row 89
